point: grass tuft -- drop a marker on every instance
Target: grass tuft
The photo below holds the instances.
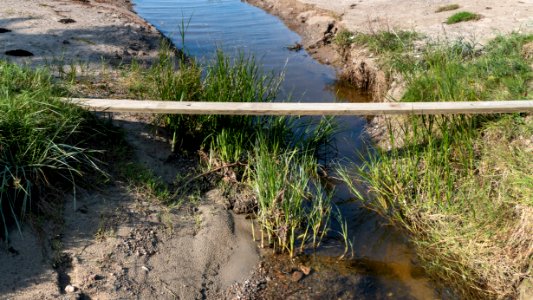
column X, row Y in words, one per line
column 462, row 16
column 344, row 38
column 461, row 186
column 44, row 143
column 387, row 41
column 277, row 157
column 448, row 7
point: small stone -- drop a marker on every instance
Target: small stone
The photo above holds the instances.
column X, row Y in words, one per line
column 297, row 276
column 98, row 277
column 70, row 289
column 305, row 270
column 67, row 21
column 145, row 269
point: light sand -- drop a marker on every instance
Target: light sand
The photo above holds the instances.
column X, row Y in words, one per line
column 75, row 31
column 499, row 17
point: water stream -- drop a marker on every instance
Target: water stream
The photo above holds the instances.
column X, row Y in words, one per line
column 237, row 27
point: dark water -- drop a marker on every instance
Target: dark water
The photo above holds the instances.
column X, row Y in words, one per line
column 237, row 27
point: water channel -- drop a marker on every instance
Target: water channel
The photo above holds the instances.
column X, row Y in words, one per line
column 237, row 27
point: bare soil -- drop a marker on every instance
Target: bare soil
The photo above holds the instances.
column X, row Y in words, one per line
column 71, row 31
column 117, row 242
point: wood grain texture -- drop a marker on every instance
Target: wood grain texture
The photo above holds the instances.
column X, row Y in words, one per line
column 303, row 109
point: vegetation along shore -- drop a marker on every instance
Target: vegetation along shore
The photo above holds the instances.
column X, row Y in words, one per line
column 136, row 206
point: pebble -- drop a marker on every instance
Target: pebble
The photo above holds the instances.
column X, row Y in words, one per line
column 305, row 270
column 145, row 269
column 70, row 289
column 297, row 276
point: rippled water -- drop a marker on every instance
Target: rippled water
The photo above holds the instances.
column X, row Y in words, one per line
column 237, row 27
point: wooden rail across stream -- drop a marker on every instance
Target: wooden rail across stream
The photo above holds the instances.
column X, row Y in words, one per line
column 303, row 109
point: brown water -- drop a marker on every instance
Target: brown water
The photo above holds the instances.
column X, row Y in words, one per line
column 380, row 252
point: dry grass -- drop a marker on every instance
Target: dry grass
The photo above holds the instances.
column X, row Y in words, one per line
column 462, row 186
column 447, row 8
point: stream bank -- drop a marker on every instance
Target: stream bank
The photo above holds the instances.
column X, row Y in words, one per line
column 496, row 20
column 119, row 241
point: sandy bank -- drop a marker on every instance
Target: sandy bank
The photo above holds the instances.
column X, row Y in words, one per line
column 85, row 32
column 118, row 243
column 317, row 21
column 499, row 17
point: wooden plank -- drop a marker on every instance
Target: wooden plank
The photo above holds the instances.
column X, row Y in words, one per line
column 278, row 108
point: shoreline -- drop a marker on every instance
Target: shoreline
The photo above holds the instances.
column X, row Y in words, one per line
column 317, row 27
column 120, row 241
column 317, row 21
column 363, row 68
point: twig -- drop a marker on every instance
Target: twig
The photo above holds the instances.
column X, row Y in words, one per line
column 213, row 171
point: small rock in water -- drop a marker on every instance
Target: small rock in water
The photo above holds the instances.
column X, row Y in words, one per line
column 4, row 30
column 296, row 47
column 297, row 276
column 70, row 289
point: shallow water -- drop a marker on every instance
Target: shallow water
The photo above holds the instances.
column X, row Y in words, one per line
column 237, row 27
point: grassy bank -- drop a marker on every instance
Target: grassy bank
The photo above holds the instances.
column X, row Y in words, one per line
column 461, row 186
column 45, row 144
column 274, row 158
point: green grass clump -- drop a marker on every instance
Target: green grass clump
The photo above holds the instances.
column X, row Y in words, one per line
column 447, row 8
column 44, row 142
column 222, row 80
column 378, row 42
column 344, row 38
column 462, row 16
column 277, row 157
column 283, row 181
column 461, row 186
column 457, row 72
column 387, row 41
